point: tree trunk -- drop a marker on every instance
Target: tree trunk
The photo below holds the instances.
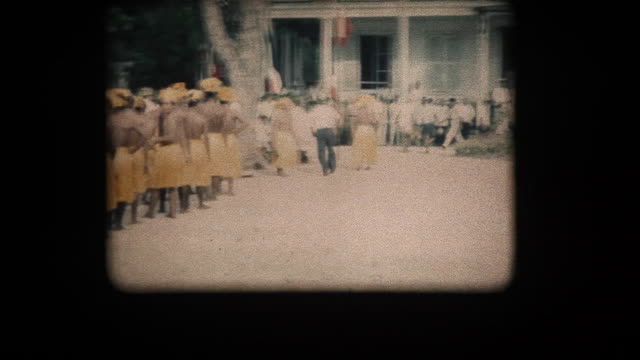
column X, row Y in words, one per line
column 244, row 58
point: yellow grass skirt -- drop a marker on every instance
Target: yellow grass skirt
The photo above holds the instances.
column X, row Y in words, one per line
column 151, row 158
column 217, row 153
column 231, row 165
column 139, row 178
column 285, row 146
column 123, row 170
column 365, row 149
column 169, row 163
column 112, row 201
column 197, row 171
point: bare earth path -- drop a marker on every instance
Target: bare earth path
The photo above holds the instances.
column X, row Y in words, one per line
column 415, row 222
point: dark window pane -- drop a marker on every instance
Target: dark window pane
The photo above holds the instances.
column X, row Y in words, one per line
column 435, row 49
column 454, row 49
column 453, row 71
column 374, row 61
column 367, row 48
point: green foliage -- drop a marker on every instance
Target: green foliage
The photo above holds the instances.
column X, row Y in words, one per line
column 486, row 146
column 161, row 38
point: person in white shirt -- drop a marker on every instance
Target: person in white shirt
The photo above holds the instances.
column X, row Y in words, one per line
column 483, row 115
column 468, row 117
column 404, row 121
column 427, row 118
column 457, row 114
column 501, row 104
column 393, row 109
column 442, row 115
column 324, row 120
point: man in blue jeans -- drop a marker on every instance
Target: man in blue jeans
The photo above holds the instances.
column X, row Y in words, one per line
column 324, row 127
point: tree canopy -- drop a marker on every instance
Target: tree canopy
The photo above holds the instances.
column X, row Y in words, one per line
column 161, row 39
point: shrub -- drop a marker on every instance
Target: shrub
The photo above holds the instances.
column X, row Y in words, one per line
column 486, row 146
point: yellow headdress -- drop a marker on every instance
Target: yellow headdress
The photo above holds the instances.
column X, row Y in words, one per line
column 284, row 103
column 181, row 90
column 119, row 97
column 194, row 95
column 210, row 84
column 138, row 103
column 365, row 99
column 178, row 86
column 227, row 94
column 168, row 95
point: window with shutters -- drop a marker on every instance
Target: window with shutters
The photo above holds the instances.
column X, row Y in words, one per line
column 375, row 69
column 444, row 54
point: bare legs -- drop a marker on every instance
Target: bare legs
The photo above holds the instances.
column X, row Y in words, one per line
column 118, row 215
column 201, row 191
column 173, row 202
column 163, row 197
column 216, row 184
column 153, row 201
column 405, row 142
column 230, row 182
column 134, row 209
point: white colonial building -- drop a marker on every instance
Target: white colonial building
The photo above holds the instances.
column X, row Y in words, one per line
column 451, row 48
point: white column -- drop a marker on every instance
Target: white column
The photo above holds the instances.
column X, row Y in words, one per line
column 403, row 55
column 326, row 49
column 483, row 66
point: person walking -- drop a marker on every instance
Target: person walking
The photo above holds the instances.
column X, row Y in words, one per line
column 427, row 116
column 232, row 125
column 325, row 119
column 455, row 121
column 122, row 130
column 365, row 148
column 283, row 140
column 502, row 109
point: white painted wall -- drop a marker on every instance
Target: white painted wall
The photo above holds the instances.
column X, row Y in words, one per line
column 462, row 27
column 347, row 62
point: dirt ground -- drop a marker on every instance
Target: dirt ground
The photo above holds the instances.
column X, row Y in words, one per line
column 414, row 222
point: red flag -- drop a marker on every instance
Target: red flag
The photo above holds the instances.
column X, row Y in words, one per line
column 344, row 28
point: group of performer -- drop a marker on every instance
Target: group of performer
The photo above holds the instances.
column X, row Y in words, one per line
column 162, row 146
column 182, row 141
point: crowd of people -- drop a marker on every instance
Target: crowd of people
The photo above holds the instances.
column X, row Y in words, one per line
column 167, row 145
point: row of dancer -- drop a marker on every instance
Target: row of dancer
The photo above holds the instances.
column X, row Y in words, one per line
column 162, row 146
